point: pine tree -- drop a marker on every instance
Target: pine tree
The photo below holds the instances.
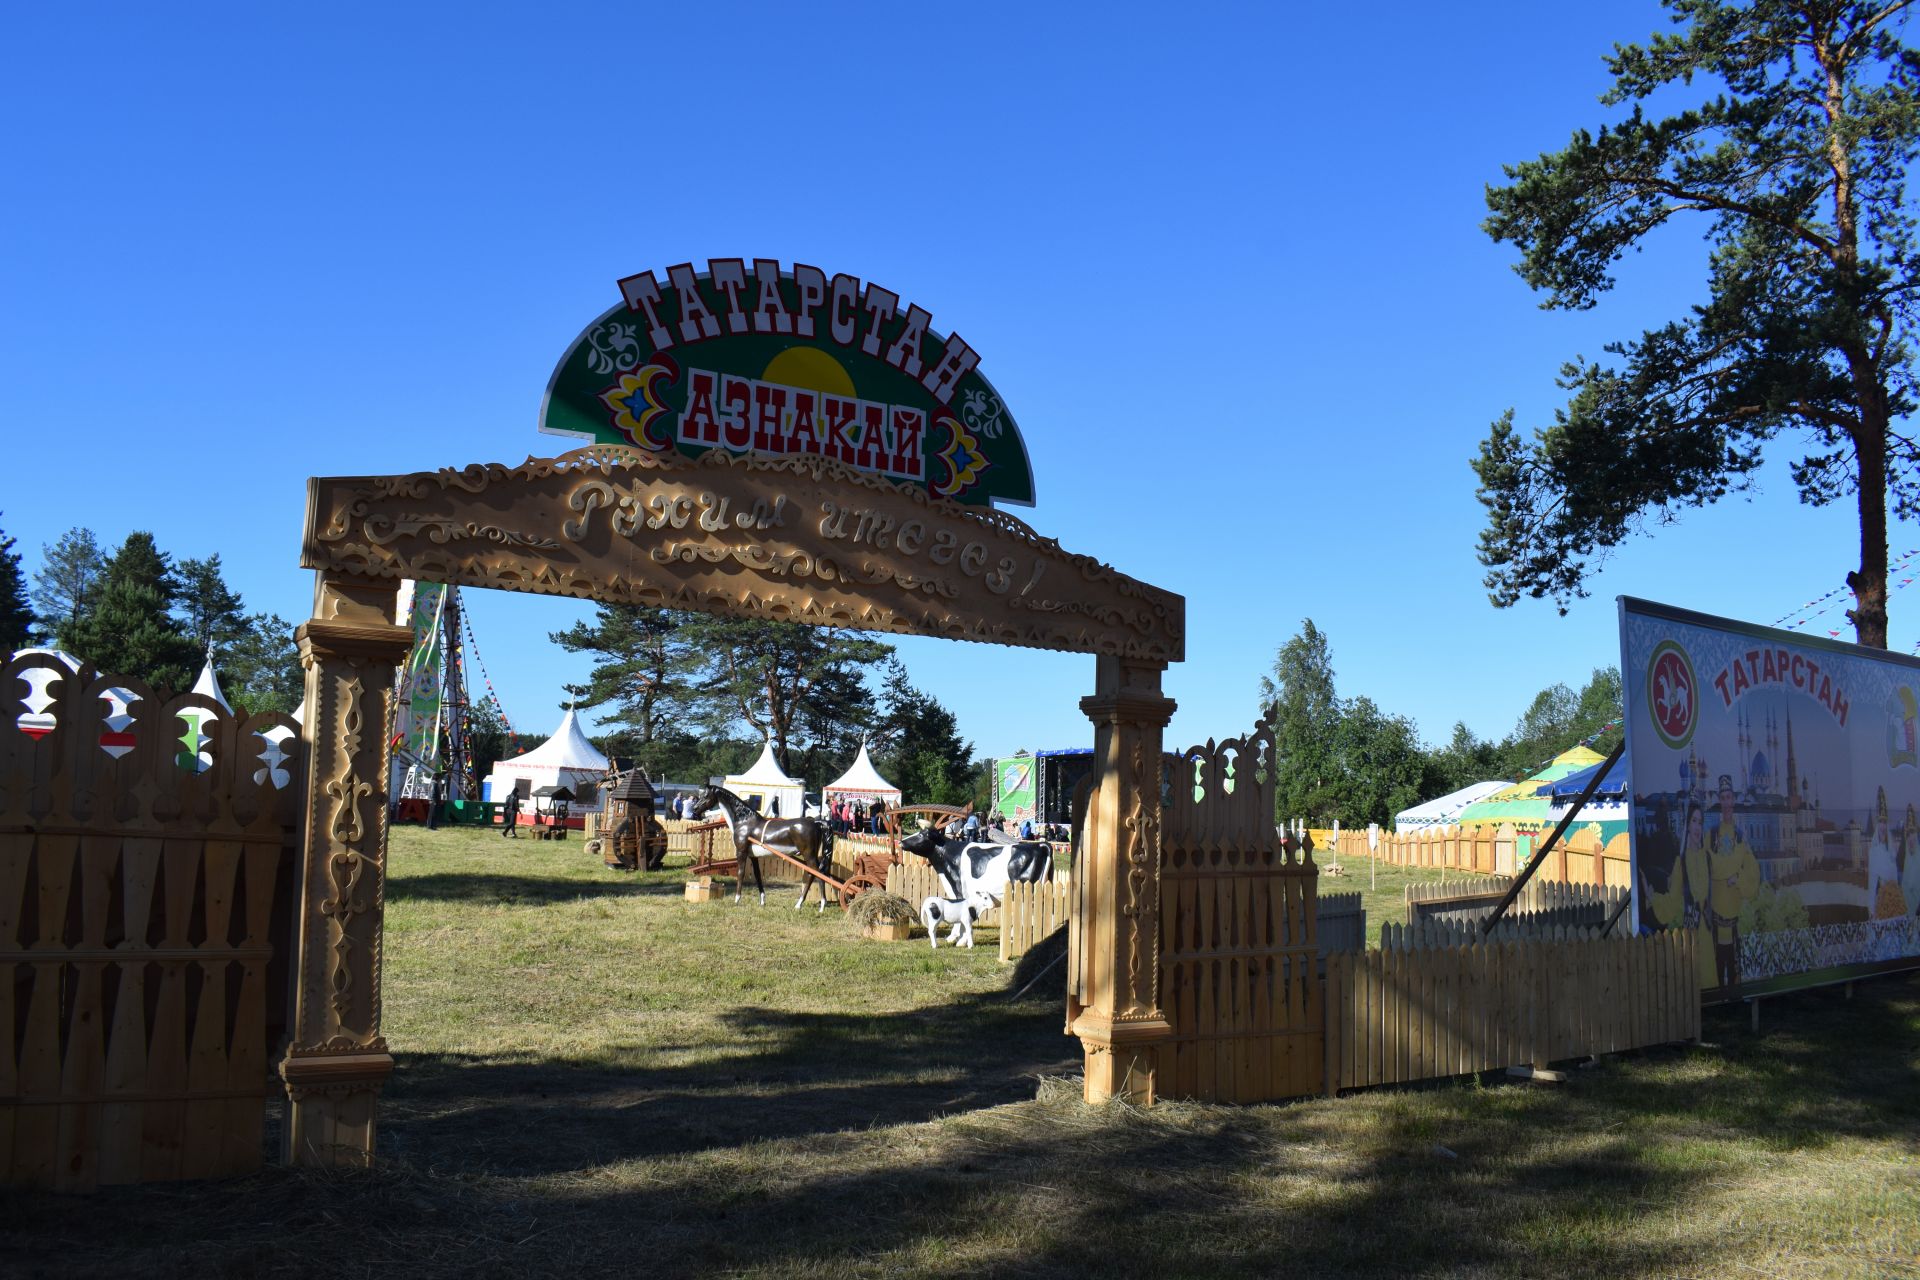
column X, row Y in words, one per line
column 16, row 614
column 129, row 630
column 917, row 743
column 67, row 584
column 211, row 612
column 642, row 681
column 261, row 666
column 1796, row 123
column 782, row 680
column 1305, row 717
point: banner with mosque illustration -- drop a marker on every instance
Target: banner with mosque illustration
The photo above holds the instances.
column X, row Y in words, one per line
column 416, row 717
column 749, row 357
column 1776, row 798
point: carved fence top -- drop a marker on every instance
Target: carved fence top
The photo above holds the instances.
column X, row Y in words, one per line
column 81, row 751
column 798, row 539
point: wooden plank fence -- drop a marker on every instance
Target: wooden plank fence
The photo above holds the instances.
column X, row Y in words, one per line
column 1342, row 922
column 1404, row 1014
column 1540, row 901
column 1031, row 913
column 915, row 880
column 1416, row 935
column 1581, row 858
column 145, row 912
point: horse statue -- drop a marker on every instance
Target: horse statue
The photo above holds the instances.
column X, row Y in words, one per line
column 804, row 839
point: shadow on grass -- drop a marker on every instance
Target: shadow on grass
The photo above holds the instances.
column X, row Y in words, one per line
column 490, row 889
column 797, row 1154
column 792, row 1075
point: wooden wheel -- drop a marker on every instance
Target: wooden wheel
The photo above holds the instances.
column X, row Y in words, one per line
column 857, row 885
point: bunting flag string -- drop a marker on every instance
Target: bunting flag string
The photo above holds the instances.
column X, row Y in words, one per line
column 1820, row 605
column 1907, row 562
column 486, row 678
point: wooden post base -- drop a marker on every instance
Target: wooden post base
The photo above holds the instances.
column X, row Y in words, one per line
column 331, row 1107
column 1122, row 1057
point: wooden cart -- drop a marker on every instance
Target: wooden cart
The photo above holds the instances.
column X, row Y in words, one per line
column 870, row 869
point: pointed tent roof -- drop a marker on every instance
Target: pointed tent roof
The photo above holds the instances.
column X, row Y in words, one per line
column 1521, row 802
column 568, row 748
column 208, row 685
column 863, row 778
column 765, row 772
column 1444, row 809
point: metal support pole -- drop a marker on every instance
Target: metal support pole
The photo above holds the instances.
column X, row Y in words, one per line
column 1526, row 873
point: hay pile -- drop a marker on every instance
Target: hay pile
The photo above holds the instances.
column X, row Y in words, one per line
column 880, row 908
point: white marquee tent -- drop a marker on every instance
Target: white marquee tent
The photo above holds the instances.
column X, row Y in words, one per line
column 566, row 759
column 862, row 781
column 768, row 783
column 1444, row 811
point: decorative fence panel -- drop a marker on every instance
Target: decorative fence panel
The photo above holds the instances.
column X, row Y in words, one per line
column 1239, row 950
column 145, row 912
column 1398, row 1015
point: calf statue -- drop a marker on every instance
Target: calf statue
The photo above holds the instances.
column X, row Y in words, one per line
column 959, row 913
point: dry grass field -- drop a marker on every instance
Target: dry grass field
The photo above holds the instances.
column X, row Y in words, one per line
column 597, row 1077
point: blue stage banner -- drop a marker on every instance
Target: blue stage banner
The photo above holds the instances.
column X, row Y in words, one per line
column 1775, row 783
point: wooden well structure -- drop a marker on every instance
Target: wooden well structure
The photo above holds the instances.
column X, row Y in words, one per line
column 631, row 837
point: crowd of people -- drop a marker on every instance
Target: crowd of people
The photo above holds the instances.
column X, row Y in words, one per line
column 857, row 815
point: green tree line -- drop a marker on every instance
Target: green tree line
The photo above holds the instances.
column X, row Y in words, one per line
column 1347, row 759
column 694, row 695
column 139, row 613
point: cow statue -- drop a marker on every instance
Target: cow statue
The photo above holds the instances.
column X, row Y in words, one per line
column 958, row 913
column 981, row 866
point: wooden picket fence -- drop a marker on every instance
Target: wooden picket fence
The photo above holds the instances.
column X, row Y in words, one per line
column 1402, row 1014
column 1422, row 935
column 1342, row 922
column 1031, row 913
column 1581, row 858
column 1540, row 902
column 915, row 880
column 145, row 912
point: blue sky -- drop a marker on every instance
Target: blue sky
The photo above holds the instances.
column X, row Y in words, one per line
column 1223, row 263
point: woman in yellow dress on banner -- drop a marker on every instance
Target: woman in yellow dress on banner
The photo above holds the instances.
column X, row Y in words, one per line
column 1682, row 903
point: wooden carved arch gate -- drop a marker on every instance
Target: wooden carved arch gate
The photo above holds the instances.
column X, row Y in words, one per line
column 801, row 539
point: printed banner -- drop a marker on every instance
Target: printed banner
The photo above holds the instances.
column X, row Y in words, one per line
column 1013, row 789
column 417, row 711
column 1775, row 788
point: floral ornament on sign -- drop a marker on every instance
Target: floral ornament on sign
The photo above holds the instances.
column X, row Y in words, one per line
column 613, row 346
column 636, row 404
column 963, row 457
column 982, row 411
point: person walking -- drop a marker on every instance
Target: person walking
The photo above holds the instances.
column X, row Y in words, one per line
column 510, row 825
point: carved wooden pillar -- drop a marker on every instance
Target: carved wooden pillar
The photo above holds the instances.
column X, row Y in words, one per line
column 337, row 1060
column 1117, row 1012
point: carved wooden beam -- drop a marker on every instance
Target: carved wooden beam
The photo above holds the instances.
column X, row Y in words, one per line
column 799, row 539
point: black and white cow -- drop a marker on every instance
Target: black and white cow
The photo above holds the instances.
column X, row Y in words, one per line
column 966, row 868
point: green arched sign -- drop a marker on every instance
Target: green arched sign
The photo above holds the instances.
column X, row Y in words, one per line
column 750, row 358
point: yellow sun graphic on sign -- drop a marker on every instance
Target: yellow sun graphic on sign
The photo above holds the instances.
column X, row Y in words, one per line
column 810, row 369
